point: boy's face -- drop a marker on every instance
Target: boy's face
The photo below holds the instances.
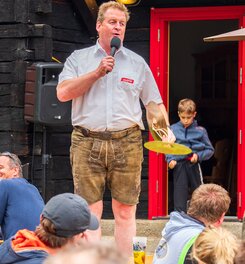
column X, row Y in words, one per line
column 186, row 118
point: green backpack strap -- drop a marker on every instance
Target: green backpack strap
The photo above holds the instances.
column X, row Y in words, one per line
column 186, row 249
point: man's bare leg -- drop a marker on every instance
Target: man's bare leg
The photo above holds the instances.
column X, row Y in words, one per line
column 125, row 226
column 96, row 209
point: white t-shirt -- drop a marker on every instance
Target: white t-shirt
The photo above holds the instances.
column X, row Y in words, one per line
column 112, row 103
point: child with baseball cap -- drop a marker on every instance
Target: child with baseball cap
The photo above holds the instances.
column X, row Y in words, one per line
column 64, row 220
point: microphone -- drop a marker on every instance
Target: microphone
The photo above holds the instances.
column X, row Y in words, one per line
column 115, row 45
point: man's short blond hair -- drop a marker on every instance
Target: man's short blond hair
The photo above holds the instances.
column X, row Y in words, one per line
column 111, row 4
column 187, row 105
column 209, row 202
column 215, row 245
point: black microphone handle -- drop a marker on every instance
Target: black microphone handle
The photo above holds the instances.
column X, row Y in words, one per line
column 113, row 51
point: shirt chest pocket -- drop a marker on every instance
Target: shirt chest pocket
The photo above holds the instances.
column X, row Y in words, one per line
column 128, row 83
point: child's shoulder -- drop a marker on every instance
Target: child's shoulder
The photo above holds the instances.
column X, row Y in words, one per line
column 200, row 127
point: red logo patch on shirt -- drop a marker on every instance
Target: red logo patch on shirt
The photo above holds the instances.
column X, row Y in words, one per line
column 127, row 80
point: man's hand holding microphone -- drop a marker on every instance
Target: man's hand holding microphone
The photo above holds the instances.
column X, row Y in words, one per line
column 107, row 63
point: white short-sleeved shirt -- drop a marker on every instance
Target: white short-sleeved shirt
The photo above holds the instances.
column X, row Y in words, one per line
column 112, row 103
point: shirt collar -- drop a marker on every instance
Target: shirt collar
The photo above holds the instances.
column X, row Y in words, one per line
column 98, row 49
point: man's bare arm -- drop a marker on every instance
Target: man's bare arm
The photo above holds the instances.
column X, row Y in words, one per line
column 73, row 88
column 164, row 112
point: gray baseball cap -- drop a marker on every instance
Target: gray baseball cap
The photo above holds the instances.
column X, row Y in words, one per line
column 70, row 215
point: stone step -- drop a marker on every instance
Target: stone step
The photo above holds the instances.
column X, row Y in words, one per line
column 152, row 230
column 144, row 227
column 152, row 243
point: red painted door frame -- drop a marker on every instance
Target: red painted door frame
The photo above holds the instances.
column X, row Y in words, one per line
column 159, row 63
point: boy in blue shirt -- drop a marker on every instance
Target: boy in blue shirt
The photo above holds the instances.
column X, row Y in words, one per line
column 186, row 168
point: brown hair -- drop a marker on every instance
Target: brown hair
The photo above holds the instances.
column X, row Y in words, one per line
column 111, row 4
column 210, row 202
column 215, row 246
column 46, row 233
column 186, row 105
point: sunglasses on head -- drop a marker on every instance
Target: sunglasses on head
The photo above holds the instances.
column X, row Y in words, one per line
column 14, row 158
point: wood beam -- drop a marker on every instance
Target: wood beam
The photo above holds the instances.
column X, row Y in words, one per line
column 87, row 9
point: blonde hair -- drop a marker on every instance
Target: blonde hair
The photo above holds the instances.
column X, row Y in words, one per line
column 240, row 256
column 111, row 4
column 215, row 246
column 84, row 252
column 187, row 105
column 209, row 201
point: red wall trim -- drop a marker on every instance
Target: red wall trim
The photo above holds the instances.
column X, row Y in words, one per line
column 199, row 13
column 159, row 63
column 241, row 130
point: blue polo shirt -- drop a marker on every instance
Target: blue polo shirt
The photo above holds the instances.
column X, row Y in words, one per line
column 20, row 206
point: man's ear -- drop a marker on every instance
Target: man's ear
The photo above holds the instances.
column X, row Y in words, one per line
column 194, row 114
column 220, row 221
column 98, row 24
column 16, row 172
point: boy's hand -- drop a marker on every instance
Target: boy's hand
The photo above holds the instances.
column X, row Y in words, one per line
column 194, row 158
column 172, row 164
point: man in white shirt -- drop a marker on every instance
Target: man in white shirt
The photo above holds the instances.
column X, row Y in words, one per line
column 107, row 118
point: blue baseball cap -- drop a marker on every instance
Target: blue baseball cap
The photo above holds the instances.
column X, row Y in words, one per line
column 70, row 215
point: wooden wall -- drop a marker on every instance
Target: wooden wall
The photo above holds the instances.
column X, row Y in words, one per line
column 36, row 31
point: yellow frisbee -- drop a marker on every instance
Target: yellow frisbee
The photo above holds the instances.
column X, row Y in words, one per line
column 167, row 148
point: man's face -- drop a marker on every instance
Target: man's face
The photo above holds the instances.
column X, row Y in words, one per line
column 114, row 24
column 5, row 171
column 186, row 119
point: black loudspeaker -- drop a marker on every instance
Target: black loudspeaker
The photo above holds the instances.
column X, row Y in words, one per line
column 41, row 103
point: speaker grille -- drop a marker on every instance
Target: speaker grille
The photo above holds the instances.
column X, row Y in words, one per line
column 41, row 102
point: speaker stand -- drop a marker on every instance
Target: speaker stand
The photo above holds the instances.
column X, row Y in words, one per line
column 45, row 160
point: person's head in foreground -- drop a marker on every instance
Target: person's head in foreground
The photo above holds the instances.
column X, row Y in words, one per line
column 240, row 256
column 65, row 217
column 64, row 220
column 98, row 253
column 215, row 246
column 209, row 204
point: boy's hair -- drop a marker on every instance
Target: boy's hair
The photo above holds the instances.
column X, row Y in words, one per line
column 47, row 234
column 214, row 246
column 240, row 256
column 186, row 105
column 210, row 202
column 111, row 4
column 14, row 161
